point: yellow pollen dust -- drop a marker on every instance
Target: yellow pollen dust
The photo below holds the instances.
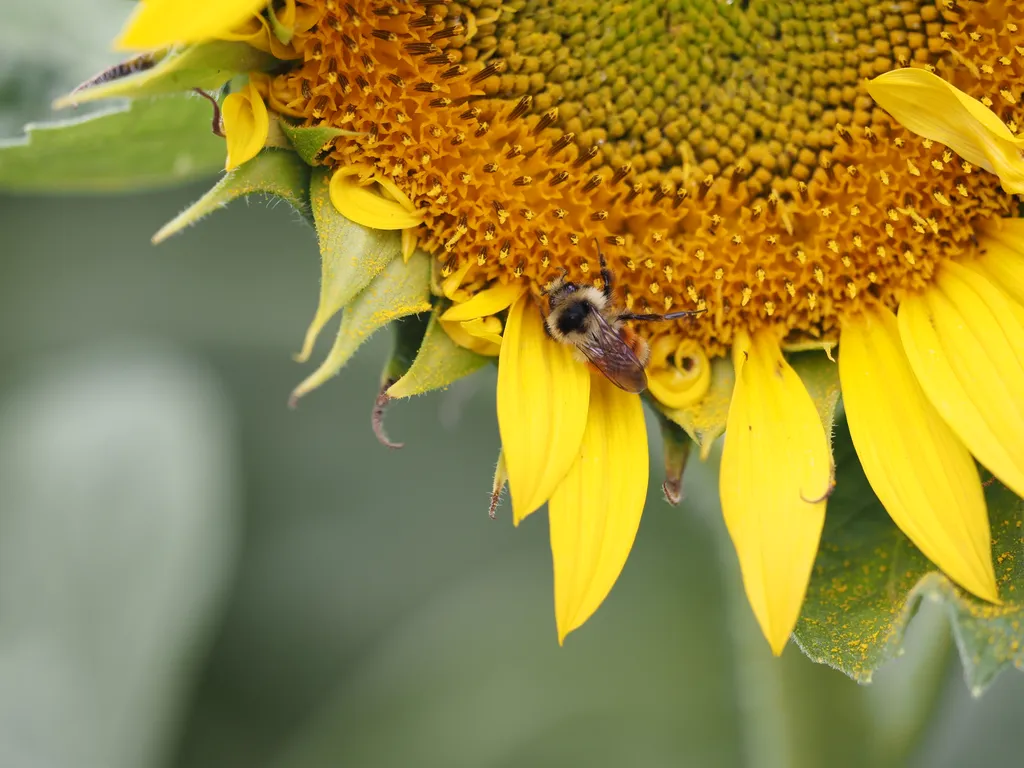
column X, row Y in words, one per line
column 723, row 155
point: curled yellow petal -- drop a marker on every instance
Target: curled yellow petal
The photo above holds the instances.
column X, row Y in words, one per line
column 679, row 372
column 160, row 23
column 929, row 106
column 543, row 392
column 355, row 198
column 966, row 346
column 481, row 335
column 595, row 512
column 485, row 328
column 776, row 475
column 486, row 302
column 263, row 35
column 409, row 242
column 918, row 468
column 246, row 125
column 451, row 282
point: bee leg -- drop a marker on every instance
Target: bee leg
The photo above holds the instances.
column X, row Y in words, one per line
column 669, row 316
column 606, row 277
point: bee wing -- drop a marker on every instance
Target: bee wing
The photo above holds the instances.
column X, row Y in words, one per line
column 607, row 352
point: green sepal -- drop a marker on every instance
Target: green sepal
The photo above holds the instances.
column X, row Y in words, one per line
column 439, row 362
column 148, row 143
column 704, row 421
column 272, row 172
column 409, row 332
column 351, row 255
column 281, row 32
column 676, row 445
column 402, row 289
column 868, row 580
column 498, row 485
column 312, row 142
column 206, row 66
column 820, row 375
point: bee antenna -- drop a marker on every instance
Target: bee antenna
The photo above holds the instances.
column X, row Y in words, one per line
column 546, row 290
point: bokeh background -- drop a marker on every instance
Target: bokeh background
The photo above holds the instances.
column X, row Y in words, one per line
column 193, row 575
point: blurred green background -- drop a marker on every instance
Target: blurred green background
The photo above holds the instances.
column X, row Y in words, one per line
column 193, row 575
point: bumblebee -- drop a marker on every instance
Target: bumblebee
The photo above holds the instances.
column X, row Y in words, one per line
column 587, row 318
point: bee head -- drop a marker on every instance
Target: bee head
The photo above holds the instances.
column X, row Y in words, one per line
column 573, row 318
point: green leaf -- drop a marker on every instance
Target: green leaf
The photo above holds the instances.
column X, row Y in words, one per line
column 351, row 255
column 274, row 172
column 149, row 143
column 439, row 362
column 869, row 579
column 400, row 290
column 311, row 142
column 207, row 66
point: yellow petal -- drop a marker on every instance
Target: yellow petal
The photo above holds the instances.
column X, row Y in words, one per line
column 1002, row 248
column 543, row 392
column 160, row 23
column 966, row 346
column 363, row 205
column 918, row 468
column 595, row 512
column 776, row 475
column 489, row 301
column 246, row 125
column 929, row 106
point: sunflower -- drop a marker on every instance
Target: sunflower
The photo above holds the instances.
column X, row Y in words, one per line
column 812, row 177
